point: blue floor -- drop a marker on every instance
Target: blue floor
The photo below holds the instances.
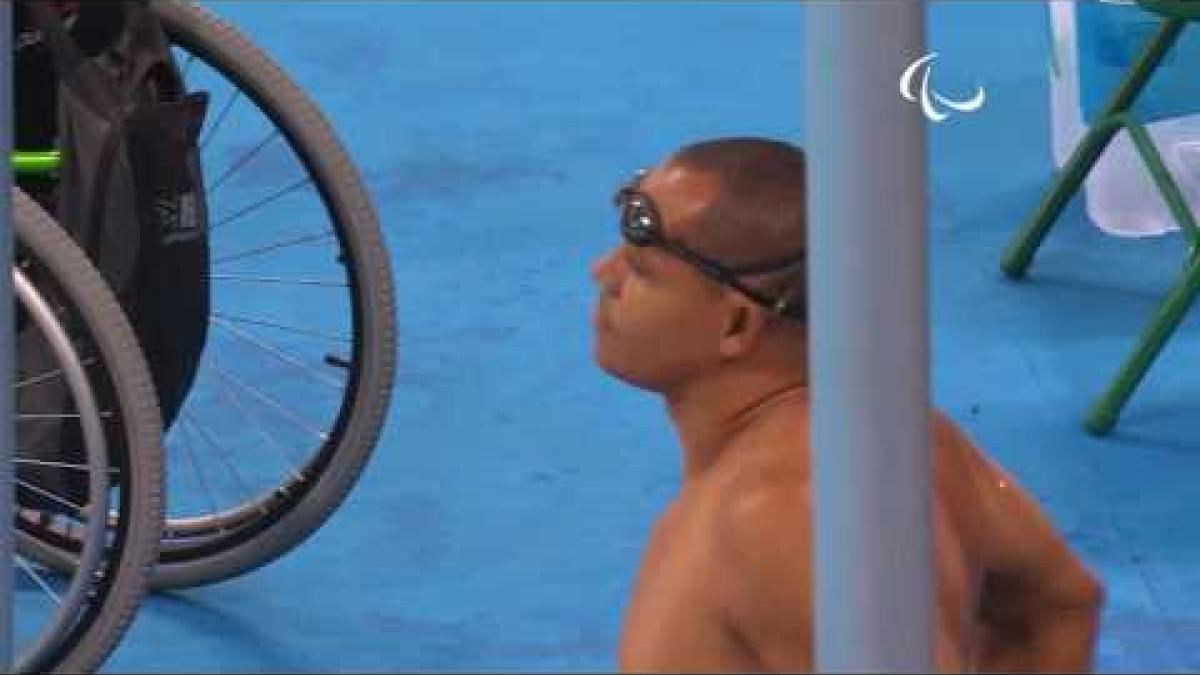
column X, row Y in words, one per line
column 501, row 520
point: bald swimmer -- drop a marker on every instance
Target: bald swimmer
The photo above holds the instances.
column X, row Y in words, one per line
column 697, row 305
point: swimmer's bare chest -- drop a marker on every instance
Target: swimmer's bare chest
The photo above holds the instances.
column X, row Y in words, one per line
column 673, row 621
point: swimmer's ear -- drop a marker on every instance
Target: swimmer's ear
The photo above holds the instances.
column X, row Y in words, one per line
column 744, row 323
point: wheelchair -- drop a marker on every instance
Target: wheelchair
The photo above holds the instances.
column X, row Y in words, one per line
column 287, row 397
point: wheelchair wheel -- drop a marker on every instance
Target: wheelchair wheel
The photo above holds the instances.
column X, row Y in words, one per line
column 295, row 379
column 87, row 459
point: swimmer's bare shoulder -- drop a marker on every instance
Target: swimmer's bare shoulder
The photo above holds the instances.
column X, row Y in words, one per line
column 1038, row 603
column 763, row 550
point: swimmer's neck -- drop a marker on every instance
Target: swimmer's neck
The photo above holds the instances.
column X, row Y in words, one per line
column 709, row 414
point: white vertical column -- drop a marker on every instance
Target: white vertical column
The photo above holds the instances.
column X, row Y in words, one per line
column 869, row 351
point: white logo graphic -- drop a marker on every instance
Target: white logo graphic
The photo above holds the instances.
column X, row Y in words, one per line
column 927, row 103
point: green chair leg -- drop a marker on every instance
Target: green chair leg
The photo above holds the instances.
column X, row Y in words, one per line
column 1168, row 189
column 1020, row 253
column 1104, row 413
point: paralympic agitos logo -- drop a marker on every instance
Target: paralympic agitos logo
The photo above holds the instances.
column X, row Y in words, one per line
column 930, row 99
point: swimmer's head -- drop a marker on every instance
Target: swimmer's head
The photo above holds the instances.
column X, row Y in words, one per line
column 710, row 269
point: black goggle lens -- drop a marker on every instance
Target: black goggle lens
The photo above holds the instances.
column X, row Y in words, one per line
column 638, row 224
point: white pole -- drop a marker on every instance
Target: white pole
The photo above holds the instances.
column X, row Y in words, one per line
column 869, row 338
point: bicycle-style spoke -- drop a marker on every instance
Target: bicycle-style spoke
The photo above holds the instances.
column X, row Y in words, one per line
column 279, row 355
column 55, row 465
column 306, row 239
column 254, row 421
column 57, row 416
column 241, row 278
column 190, row 453
column 241, row 162
column 49, row 495
column 50, row 374
column 37, row 579
column 216, row 125
column 297, row 330
column 38, row 379
column 221, row 452
column 279, row 194
column 271, row 402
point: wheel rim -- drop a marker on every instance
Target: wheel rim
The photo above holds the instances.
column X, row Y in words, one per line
column 39, row 643
column 212, row 523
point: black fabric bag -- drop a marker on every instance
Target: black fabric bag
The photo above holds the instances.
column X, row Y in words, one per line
column 129, row 188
